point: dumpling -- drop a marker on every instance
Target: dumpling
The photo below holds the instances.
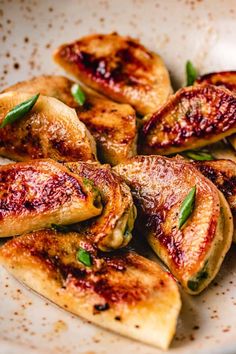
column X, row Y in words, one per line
column 118, row 67
column 122, row 292
column 36, row 194
column 195, row 251
column 50, row 130
column 195, row 116
column 112, row 125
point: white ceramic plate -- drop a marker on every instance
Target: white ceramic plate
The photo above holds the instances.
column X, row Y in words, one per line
column 203, row 31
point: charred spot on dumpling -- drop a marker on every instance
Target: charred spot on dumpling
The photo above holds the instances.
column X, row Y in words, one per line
column 101, row 307
column 87, row 106
column 118, row 318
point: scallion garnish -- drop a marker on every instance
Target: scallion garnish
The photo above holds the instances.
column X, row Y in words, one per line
column 19, row 111
column 84, row 257
column 187, row 207
column 78, row 94
column 191, row 73
column 198, row 155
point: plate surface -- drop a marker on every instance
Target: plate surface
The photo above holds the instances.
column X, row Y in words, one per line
column 202, row 31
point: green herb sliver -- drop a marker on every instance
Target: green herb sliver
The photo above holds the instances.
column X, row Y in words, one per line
column 84, row 257
column 187, row 207
column 191, row 73
column 19, row 111
column 78, row 94
column 199, row 155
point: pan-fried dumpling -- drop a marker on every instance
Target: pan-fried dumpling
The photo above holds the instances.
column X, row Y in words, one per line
column 195, row 251
column 50, row 130
column 36, row 194
column 118, row 67
column 195, row 116
column 122, row 292
column 113, row 125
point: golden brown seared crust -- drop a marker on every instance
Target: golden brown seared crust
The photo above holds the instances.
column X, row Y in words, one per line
column 194, row 117
column 50, row 129
column 119, row 67
column 123, row 291
column 112, row 229
column 159, row 186
column 113, row 125
column 221, row 78
column 36, row 194
column 223, row 174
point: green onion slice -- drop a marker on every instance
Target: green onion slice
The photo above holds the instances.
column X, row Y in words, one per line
column 198, row 155
column 19, row 111
column 78, row 94
column 187, row 207
column 191, row 73
column 84, row 257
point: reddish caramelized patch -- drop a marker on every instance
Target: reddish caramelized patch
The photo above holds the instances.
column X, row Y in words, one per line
column 116, row 293
column 24, row 189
